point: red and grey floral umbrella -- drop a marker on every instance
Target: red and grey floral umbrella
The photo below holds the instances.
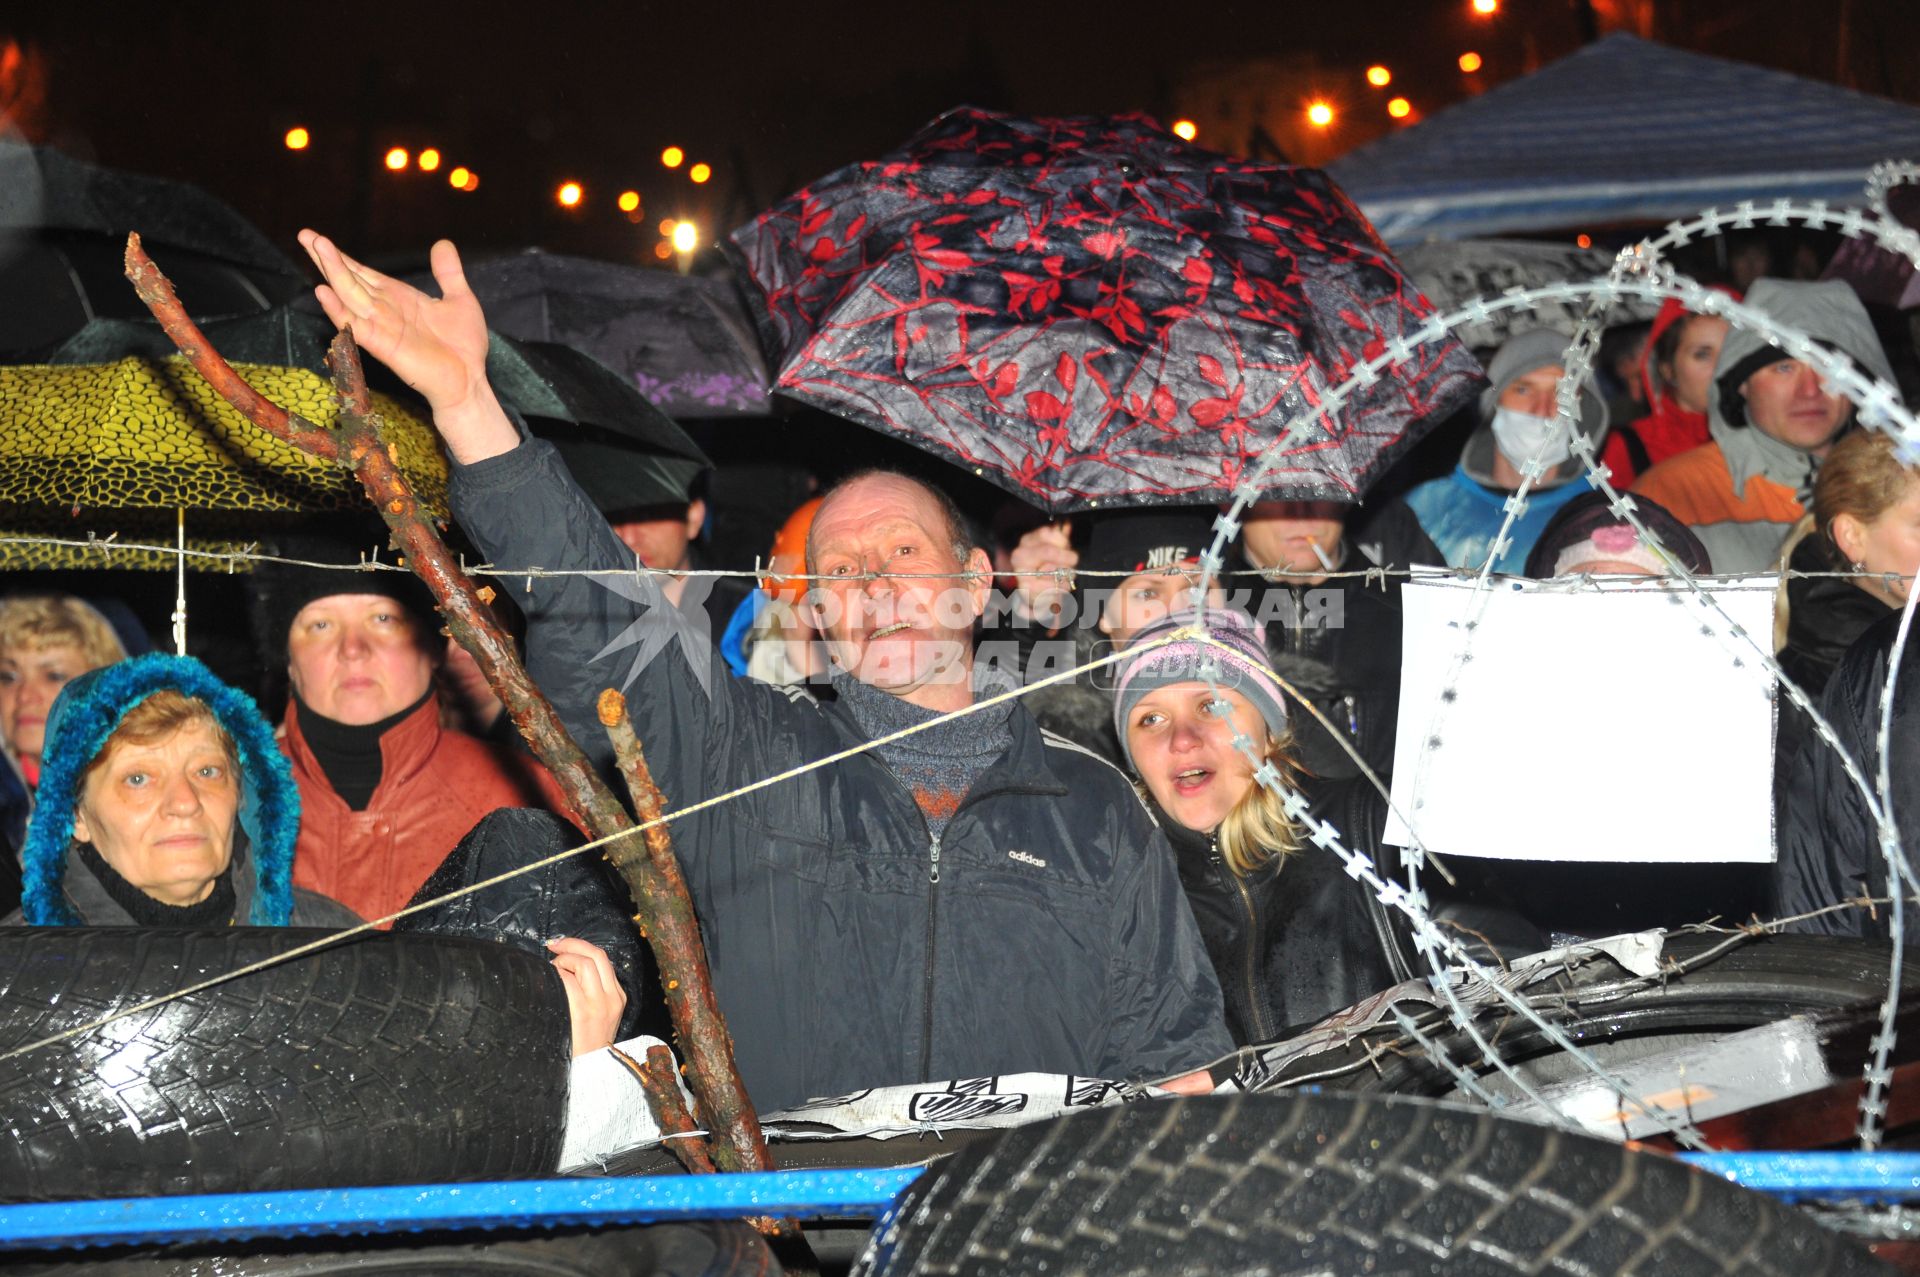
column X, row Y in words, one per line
column 1093, row 313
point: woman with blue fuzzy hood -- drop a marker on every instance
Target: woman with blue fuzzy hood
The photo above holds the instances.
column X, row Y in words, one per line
column 164, row 801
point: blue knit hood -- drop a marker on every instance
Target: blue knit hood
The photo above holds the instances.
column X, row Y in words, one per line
column 86, row 714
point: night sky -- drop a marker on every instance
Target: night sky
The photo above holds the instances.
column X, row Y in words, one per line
column 771, row 95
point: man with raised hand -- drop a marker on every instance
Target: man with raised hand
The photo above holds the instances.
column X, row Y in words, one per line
column 976, row 898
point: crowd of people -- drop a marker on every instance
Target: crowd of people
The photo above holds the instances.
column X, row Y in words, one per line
column 1106, row 876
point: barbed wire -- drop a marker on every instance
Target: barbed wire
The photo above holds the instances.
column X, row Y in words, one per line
column 109, row 545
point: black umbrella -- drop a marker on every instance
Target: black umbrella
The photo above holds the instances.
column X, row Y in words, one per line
column 623, row 451
column 43, row 189
column 63, row 229
column 684, row 340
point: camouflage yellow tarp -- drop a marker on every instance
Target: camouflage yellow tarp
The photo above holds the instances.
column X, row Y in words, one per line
column 152, row 434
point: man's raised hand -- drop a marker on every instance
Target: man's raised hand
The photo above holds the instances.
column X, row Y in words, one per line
column 436, row 345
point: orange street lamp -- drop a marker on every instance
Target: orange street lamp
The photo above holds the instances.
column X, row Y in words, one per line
column 1319, row 114
column 1379, row 77
column 1399, row 108
column 673, row 157
column 297, row 139
column 1486, row 8
column 1470, row 62
column 699, row 173
column 569, row 194
column 397, row 158
column 459, row 178
column 1186, row 130
column 629, row 201
column 686, row 237
column 429, row 160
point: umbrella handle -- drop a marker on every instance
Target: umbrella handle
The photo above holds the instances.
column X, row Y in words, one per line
column 180, row 582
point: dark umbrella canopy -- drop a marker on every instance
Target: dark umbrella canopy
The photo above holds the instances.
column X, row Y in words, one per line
column 624, row 452
column 684, row 341
column 42, row 189
column 63, row 232
column 1093, row 313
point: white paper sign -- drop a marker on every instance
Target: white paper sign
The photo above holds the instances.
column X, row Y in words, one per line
column 1592, row 721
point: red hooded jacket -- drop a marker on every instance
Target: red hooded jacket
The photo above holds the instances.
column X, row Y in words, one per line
column 1669, row 429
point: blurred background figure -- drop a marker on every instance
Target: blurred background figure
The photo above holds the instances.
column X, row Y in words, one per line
column 46, row 641
column 1772, row 419
column 1463, row 512
column 1333, row 632
column 1675, row 374
column 1588, row 539
column 770, row 635
column 1865, row 521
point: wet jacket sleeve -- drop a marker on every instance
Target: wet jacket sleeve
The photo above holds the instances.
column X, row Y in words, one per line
column 702, row 729
column 1166, row 1012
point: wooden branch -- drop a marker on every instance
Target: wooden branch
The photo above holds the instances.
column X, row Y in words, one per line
column 660, row 891
column 665, row 912
column 156, row 290
column 658, row 1084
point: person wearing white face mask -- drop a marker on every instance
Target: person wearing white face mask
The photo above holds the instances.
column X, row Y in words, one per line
column 1464, row 511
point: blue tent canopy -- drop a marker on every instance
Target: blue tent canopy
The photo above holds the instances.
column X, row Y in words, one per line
column 1623, row 130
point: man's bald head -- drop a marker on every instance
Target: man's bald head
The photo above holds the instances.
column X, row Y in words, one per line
column 857, row 489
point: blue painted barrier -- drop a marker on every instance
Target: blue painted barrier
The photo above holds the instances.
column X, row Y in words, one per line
column 546, row 1203
column 1809, row 1177
column 565, row 1203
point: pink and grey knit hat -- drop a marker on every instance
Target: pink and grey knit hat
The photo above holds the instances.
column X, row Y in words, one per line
column 1237, row 661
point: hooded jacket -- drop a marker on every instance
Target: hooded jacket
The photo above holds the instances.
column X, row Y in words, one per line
column 1829, row 844
column 1464, row 511
column 1668, row 429
column 60, row 891
column 1743, row 492
column 1043, row 929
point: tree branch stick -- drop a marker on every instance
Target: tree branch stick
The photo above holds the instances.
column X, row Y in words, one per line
column 661, row 894
column 657, row 1083
column 356, row 443
column 156, row 290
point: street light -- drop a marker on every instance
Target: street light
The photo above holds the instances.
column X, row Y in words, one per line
column 397, row 158
column 672, row 157
column 1399, row 108
column 1486, row 8
column 429, row 160
column 1470, row 62
column 1186, row 130
column 297, row 139
column 569, row 194
column 629, row 201
column 1379, row 77
column 1319, row 114
column 459, row 178
column 699, row 173
column 686, row 237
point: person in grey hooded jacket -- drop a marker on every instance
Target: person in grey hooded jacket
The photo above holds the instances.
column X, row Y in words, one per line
column 975, row 898
column 1772, row 419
